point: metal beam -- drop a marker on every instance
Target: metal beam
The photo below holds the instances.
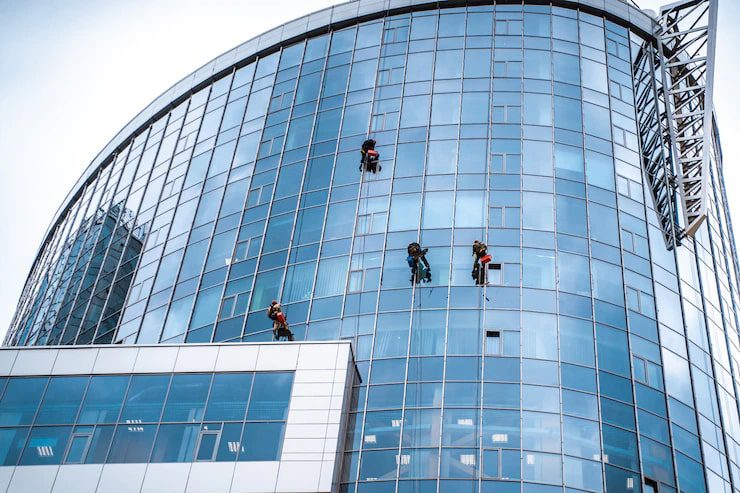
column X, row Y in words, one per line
column 687, row 34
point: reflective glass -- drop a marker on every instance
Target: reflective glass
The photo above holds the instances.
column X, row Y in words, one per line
column 186, row 400
column 20, row 400
column 145, row 399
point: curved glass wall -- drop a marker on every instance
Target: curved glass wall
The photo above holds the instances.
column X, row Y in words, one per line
column 594, row 360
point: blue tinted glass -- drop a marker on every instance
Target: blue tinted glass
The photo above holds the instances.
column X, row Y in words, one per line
column 230, row 443
column 99, row 444
column 46, row 445
column 229, row 396
column 175, row 443
column 186, row 400
column 132, row 444
column 382, row 429
column 378, row 464
column 460, row 427
column 263, row 441
column 421, row 428
column 22, row 397
column 11, row 444
column 104, row 399
column 421, row 463
column 270, row 396
column 62, row 400
column 145, row 399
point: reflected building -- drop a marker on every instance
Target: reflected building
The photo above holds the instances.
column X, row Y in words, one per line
column 577, row 139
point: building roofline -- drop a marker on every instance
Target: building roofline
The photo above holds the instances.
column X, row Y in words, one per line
column 313, row 24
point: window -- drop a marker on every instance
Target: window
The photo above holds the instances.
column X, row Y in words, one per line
column 62, row 400
column 647, row 372
column 640, row 301
column 509, row 68
column 650, row 486
column 207, row 442
column 78, row 445
column 629, row 188
column 504, row 217
column 495, row 274
column 507, row 114
column 21, row 398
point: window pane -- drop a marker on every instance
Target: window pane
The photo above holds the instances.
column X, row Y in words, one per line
column 103, row 400
column 175, row 443
column 21, row 399
column 62, row 400
column 46, row 445
column 229, row 395
column 99, row 445
column 11, row 444
column 230, row 443
column 270, row 396
column 145, row 399
column 187, row 398
column 75, row 454
column 132, row 444
column 262, row 441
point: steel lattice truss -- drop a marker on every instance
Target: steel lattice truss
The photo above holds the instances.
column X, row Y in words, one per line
column 687, row 37
column 653, row 125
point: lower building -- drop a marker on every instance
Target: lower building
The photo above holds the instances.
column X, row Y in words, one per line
column 217, row 418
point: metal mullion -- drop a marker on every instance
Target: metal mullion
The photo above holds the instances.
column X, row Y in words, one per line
column 556, row 251
column 385, row 239
column 486, row 225
column 520, row 356
column 452, row 249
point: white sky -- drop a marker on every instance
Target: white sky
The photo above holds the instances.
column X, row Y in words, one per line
column 74, row 73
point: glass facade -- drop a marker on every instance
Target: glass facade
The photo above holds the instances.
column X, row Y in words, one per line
column 122, row 419
column 594, row 360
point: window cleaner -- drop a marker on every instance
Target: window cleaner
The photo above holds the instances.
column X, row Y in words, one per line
column 420, row 271
column 481, row 258
column 280, row 328
column 369, row 157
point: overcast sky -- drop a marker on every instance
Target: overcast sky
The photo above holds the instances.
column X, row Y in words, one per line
column 73, row 73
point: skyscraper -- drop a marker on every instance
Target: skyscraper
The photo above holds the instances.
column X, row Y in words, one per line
column 597, row 350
